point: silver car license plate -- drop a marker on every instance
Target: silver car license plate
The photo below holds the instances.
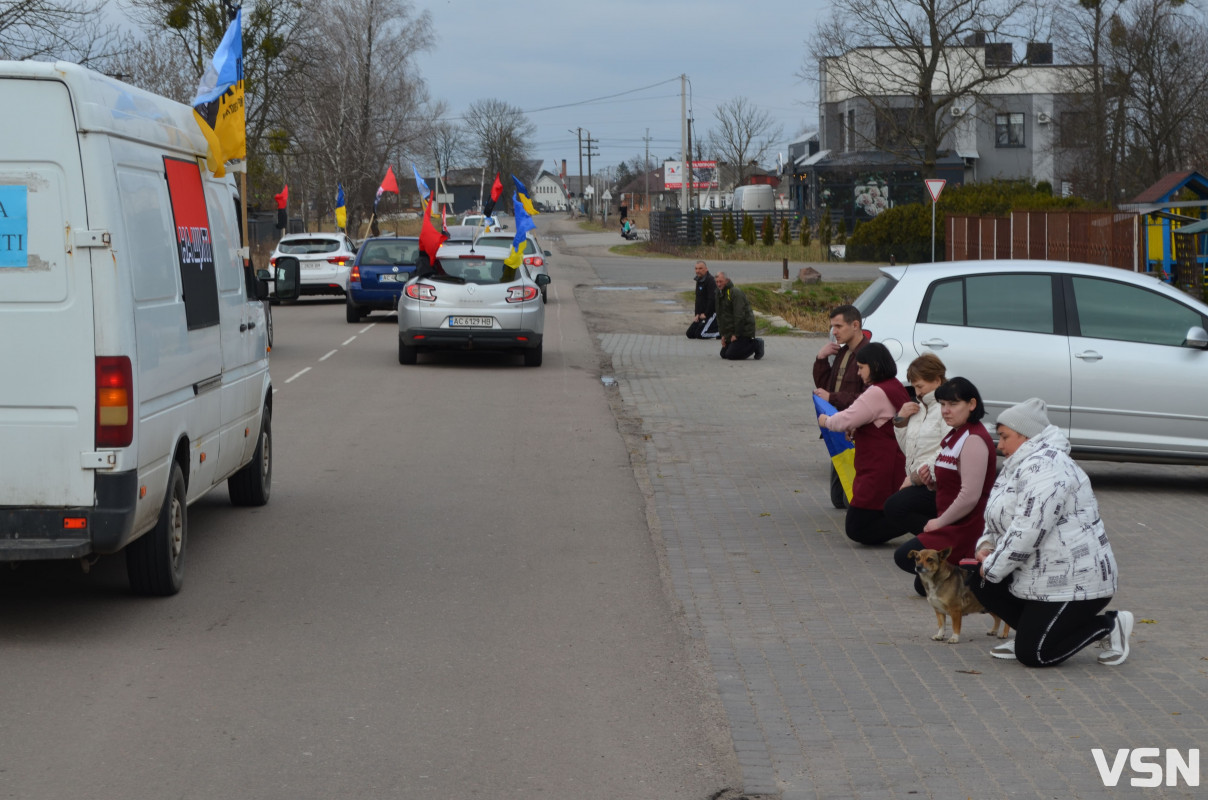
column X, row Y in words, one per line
column 470, row 322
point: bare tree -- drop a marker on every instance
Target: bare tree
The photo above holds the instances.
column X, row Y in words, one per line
column 500, row 135
column 152, row 62
column 447, row 142
column 56, row 29
column 909, row 61
column 743, row 137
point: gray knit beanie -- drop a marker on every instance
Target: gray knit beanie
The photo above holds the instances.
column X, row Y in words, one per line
column 1027, row 418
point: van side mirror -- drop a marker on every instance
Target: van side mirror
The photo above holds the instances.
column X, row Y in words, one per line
column 286, row 275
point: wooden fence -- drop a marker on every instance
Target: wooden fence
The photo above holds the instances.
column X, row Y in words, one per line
column 1112, row 239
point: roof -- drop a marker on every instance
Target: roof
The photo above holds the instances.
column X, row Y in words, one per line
column 1171, row 184
column 1195, row 227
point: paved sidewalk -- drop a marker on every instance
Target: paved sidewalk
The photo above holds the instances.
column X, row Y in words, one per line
column 821, row 650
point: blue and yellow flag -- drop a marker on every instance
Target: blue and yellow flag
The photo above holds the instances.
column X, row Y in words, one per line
column 522, row 196
column 842, row 451
column 341, row 209
column 421, row 185
column 524, row 223
column 218, row 106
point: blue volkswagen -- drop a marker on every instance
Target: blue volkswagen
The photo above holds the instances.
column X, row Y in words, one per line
column 383, row 266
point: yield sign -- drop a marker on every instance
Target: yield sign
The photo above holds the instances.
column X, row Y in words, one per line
column 934, row 187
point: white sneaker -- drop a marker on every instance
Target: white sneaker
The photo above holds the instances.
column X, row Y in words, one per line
column 1004, row 650
column 1117, row 641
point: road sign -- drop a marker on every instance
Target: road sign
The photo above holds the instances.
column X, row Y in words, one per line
column 934, row 187
column 607, row 196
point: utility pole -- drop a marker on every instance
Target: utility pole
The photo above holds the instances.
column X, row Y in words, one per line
column 579, row 132
column 646, row 168
column 590, row 153
column 684, row 154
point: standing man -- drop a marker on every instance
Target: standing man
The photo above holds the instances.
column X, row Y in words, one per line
column 704, row 324
column 835, row 374
column 736, row 322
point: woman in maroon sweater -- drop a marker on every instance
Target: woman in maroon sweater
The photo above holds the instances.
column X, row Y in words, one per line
column 964, row 474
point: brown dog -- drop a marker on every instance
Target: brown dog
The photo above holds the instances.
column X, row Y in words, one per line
column 948, row 594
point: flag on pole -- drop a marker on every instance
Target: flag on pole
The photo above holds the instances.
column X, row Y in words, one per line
column 282, row 198
column 430, row 239
column 522, row 195
column 496, row 192
column 524, row 223
column 389, row 184
column 842, row 451
column 341, row 208
column 420, row 185
column 218, row 106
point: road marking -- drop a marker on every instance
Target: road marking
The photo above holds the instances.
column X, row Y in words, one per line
column 296, row 375
column 348, row 341
column 368, row 327
column 329, row 355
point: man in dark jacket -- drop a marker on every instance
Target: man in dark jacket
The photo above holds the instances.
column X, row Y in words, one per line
column 736, row 322
column 837, row 379
column 704, row 323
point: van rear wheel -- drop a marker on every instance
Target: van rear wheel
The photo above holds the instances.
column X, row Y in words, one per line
column 252, row 484
column 155, row 562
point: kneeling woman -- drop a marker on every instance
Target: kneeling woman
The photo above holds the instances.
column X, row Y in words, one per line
column 964, row 475
column 880, row 465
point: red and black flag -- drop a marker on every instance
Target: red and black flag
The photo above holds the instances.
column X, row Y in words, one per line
column 488, row 208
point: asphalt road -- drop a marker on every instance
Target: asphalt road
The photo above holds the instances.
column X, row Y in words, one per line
column 453, row 592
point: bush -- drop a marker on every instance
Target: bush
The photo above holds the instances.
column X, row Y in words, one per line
column 748, row 229
column 805, row 233
column 768, row 234
column 706, row 231
column 785, row 234
column 728, row 234
column 825, row 229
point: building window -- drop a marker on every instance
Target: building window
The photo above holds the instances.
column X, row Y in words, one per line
column 1008, row 130
column 851, row 129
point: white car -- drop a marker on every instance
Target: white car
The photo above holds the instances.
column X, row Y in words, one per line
column 470, row 300
column 488, row 224
column 325, row 260
column 1120, row 358
column 535, row 256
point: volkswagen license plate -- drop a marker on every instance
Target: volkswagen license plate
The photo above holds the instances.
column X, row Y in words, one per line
column 470, row 322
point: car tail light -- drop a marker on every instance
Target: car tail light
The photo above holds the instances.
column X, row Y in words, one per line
column 519, row 294
column 339, row 261
column 355, row 275
column 114, row 402
column 273, row 261
column 535, row 261
column 421, row 291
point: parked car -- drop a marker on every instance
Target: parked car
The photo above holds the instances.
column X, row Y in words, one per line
column 489, row 224
column 1120, row 358
column 470, row 300
column 535, row 256
column 382, row 267
column 326, row 260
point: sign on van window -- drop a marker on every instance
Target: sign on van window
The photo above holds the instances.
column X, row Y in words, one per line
column 194, row 244
column 14, row 226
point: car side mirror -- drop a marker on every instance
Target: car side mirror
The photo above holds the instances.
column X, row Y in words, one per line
column 286, row 276
column 545, row 253
column 1196, row 337
column 542, row 279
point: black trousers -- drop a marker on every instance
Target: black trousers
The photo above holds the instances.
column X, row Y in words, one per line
column 907, row 511
column 738, row 349
column 1046, row 632
column 704, row 329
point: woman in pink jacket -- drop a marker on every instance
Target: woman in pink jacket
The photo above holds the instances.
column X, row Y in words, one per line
column 880, row 465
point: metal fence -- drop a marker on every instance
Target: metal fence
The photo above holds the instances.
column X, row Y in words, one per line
column 673, row 228
column 1112, row 239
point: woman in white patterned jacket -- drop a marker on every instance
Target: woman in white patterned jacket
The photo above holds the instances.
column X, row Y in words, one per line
column 1048, row 568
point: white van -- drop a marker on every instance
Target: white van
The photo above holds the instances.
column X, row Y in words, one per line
column 135, row 343
column 760, row 197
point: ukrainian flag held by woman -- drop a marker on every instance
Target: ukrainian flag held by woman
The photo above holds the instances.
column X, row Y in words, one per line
column 218, row 106
column 842, row 451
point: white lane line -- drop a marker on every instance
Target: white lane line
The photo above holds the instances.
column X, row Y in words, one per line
column 297, row 375
column 368, row 327
column 329, row 355
column 348, row 341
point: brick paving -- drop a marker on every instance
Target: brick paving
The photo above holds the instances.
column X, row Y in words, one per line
column 821, row 650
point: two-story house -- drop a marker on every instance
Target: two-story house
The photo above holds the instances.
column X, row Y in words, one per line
column 990, row 117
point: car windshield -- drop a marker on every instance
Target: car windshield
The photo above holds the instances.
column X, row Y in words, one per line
column 385, row 254
column 481, row 271
column 295, row 247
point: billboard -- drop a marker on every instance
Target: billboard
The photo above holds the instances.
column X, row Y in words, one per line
column 704, row 175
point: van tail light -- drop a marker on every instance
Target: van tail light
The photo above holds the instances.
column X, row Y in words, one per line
column 421, row 291
column 519, row 294
column 535, row 261
column 114, row 402
column 355, row 275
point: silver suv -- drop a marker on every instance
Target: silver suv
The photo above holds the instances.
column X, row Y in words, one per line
column 1119, row 357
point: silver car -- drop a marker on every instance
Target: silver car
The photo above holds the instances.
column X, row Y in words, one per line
column 470, row 300
column 1119, row 357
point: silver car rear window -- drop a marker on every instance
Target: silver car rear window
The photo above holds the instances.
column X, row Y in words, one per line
column 296, row 247
column 478, row 270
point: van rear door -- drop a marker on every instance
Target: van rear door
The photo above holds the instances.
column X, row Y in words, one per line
column 47, row 347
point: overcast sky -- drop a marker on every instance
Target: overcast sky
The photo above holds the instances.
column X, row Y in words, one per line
column 556, row 59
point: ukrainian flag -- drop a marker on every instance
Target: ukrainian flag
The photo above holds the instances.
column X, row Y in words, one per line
column 522, row 197
column 218, row 106
column 341, row 209
column 842, row 451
